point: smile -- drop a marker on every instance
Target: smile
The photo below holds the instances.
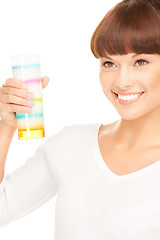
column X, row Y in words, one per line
column 129, row 99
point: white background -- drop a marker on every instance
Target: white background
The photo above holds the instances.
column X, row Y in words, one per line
column 59, row 32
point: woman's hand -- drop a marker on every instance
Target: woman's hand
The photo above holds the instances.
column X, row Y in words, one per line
column 14, row 97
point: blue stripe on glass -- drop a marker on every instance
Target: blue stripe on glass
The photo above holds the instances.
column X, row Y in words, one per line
column 25, row 66
column 29, row 115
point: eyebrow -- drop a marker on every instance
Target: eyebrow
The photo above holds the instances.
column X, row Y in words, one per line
column 131, row 57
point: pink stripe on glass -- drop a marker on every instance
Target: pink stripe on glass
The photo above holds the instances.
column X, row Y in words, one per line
column 36, row 80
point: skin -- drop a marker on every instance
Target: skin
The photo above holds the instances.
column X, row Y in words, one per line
column 14, row 98
column 139, row 126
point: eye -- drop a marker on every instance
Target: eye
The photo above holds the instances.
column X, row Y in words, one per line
column 108, row 64
column 142, row 62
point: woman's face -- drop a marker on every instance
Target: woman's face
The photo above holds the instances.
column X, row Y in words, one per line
column 129, row 74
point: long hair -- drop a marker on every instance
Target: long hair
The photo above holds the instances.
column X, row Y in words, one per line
column 130, row 26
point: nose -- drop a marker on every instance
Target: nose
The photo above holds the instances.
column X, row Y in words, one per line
column 124, row 80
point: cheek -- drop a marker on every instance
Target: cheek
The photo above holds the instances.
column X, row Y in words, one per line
column 152, row 82
column 105, row 80
column 155, row 84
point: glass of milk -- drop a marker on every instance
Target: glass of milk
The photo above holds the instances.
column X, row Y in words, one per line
column 27, row 69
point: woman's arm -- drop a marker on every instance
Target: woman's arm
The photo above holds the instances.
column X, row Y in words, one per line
column 32, row 184
column 6, row 135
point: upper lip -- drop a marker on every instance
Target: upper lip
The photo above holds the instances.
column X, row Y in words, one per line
column 129, row 93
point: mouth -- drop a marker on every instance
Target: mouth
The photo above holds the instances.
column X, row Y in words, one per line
column 128, row 101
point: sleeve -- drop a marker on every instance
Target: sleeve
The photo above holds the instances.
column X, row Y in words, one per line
column 31, row 185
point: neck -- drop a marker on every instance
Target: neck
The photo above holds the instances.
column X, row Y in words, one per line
column 141, row 133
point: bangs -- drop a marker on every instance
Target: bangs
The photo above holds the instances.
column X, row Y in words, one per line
column 131, row 26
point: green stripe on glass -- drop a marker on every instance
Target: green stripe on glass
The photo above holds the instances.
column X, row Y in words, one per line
column 37, row 99
column 26, row 66
column 29, row 115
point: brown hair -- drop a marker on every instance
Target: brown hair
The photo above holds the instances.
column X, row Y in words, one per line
column 130, row 26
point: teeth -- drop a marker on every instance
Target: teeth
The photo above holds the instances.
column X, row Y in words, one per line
column 129, row 97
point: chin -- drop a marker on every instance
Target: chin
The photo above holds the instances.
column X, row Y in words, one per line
column 131, row 116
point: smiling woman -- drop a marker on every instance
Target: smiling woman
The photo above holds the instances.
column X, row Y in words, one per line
column 131, row 26
column 106, row 177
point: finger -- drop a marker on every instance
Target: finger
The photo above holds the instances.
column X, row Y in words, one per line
column 17, row 92
column 14, row 108
column 16, row 83
column 12, row 99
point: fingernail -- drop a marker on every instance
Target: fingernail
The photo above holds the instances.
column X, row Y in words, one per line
column 29, row 110
column 46, row 78
column 30, row 95
column 30, row 103
column 24, row 86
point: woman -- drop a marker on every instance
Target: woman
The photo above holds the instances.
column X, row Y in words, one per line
column 106, row 177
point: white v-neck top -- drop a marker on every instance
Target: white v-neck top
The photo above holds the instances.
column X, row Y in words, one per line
column 112, row 176
column 92, row 203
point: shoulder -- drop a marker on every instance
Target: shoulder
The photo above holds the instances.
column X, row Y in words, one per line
column 67, row 147
column 78, row 130
column 75, row 130
column 107, row 130
column 69, row 135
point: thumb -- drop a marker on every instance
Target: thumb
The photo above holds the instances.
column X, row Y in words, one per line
column 45, row 81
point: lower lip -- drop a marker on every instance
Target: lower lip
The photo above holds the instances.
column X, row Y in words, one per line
column 127, row 102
